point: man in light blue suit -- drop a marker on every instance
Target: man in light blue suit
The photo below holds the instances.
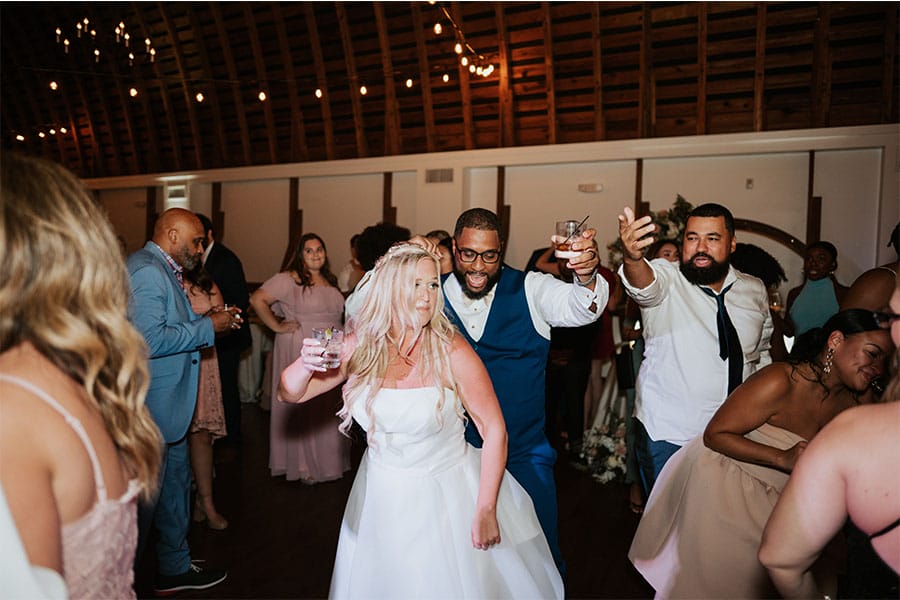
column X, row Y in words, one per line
column 160, row 309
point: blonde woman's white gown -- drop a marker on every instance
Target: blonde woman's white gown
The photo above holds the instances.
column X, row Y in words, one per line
column 406, row 531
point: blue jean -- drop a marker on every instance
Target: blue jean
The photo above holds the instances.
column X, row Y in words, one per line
column 651, row 455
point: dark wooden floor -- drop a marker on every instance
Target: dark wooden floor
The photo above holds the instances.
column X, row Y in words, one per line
column 283, row 535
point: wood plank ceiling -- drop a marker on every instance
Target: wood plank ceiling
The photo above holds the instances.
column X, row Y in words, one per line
column 563, row 72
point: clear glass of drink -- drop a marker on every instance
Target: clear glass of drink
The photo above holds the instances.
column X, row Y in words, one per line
column 331, row 340
column 566, row 233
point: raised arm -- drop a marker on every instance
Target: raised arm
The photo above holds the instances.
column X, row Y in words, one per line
column 632, row 232
column 748, row 407
column 480, row 401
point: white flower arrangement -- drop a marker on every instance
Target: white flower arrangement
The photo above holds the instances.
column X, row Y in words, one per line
column 604, row 450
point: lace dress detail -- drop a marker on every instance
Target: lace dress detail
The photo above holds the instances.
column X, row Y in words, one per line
column 98, row 549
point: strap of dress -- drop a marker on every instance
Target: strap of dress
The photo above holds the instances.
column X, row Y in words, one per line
column 73, row 422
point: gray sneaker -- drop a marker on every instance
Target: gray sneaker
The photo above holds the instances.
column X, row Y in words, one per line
column 195, row 578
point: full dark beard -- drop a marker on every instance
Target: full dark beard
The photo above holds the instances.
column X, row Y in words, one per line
column 491, row 282
column 704, row 275
column 189, row 260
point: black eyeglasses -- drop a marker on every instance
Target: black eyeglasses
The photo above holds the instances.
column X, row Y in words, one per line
column 488, row 256
column 883, row 320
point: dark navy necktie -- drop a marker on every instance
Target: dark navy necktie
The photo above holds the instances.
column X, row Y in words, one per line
column 729, row 343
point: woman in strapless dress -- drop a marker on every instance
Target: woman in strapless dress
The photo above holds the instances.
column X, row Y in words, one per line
column 428, row 515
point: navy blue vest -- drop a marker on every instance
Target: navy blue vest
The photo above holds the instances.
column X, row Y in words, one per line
column 516, row 358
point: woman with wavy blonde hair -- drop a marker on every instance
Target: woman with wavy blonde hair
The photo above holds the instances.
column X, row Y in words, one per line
column 77, row 445
column 424, row 502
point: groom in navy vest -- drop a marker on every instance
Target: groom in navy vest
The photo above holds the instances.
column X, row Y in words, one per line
column 506, row 316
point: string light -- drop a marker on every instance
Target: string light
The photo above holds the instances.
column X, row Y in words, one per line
column 469, row 57
column 63, row 130
column 20, row 137
column 446, row 77
column 318, row 92
column 133, row 92
column 363, row 90
column 54, row 86
column 199, row 96
column 262, row 96
column 438, row 29
column 52, row 132
column 409, row 83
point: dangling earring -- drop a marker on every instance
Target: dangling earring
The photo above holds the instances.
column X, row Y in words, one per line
column 829, row 360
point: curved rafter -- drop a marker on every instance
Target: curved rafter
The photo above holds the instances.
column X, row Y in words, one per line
column 260, row 63
column 298, row 128
column 424, row 77
column 172, row 31
column 391, row 108
column 465, row 92
column 362, row 145
column 239, row 108
column 321, row 79
column 213, row 93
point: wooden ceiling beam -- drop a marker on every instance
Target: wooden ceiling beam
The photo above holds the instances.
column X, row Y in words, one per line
column 298, row 128
column 321, row 80
column 645, row 93
column 172, row 31
column 212, row 92
column 99, row 163
column 239, row 109
column 759, row 70
column 597, row 55
column 76, row 136
column 362, row 145
column 507, row 134
column 163, row 92
column 392, row 144
column 126, row 114
column 465, row 92
column 702, row 67
column 549, row 77
column 424, row 76
column 821, row 69
column 261, row 76
column 888, row 64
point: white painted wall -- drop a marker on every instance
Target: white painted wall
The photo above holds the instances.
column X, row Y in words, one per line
column 856, row 174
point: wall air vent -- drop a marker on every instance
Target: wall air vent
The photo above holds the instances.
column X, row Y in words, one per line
column 439, row 176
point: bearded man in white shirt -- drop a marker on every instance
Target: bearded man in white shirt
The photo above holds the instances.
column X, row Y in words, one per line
column 690, row 313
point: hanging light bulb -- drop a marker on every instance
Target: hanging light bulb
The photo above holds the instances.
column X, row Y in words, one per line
column 41, row 134
column 52, row 132
column 199, row 96
column 471, row 68
column 489, row 70
column 133, row 92
column 464, row 61
column 409, row 83
column 147, row 43
column 479, row 70
column 118, row 33
column 152, row 54
column 96, row 55
column 318, row 92
column 262, row 96
column 93, row 33
column 78, row 27
column 54, row 86
column 58, row 33
column 127, row 37
column 446, row 78
column 63, row 130
column 20, row 137
column 66, row 44
column 458, row 48
column 437, row 28
column 363, row 90
column 131, row 59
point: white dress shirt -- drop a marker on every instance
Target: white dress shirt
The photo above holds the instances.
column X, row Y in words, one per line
column 551, row 302
column 682, row 380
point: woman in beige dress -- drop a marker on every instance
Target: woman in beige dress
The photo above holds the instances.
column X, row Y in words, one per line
column 702, row 526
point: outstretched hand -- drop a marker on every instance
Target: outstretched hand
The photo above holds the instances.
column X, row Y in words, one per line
column 635, row 234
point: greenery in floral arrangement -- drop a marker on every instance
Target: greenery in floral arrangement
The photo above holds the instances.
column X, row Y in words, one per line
column 603, row 450
column 670, row 226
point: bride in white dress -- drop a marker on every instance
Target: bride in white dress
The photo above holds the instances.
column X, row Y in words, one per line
column 429, row 516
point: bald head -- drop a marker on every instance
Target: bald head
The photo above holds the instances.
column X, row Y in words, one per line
column 180, row 234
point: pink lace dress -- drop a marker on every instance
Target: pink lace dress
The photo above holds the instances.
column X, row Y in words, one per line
column 209, row 415
column 98, row 549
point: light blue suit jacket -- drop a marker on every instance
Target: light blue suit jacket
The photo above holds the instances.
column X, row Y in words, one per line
column 160, row 310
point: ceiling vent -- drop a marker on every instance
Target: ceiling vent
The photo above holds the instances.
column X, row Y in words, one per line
column 439, row 176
